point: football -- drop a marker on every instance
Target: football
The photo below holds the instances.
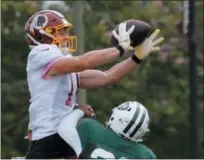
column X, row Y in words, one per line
column 139, row 34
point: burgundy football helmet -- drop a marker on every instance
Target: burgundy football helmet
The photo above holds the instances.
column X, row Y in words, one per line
column 50, row 27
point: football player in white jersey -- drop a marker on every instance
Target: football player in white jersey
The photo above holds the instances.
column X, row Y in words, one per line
column 54, row 77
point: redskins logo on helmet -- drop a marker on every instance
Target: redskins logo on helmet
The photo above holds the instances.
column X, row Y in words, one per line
column 39, row 22
column 50, row 27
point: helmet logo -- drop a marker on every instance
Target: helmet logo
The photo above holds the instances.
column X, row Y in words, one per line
column 124, row 106
column 39, row 22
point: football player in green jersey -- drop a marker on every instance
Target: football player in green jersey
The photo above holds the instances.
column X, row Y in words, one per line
column 121, row 137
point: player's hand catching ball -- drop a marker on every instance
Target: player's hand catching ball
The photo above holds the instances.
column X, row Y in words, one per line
column 123, row 35
column 148, row 46
column 88, row 111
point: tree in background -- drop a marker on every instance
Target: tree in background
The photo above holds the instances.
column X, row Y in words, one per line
column 160, row 82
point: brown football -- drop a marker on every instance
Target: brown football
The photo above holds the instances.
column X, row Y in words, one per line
column 139, row 34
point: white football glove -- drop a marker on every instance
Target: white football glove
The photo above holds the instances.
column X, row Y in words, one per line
column 149, row 45
column 123, row 36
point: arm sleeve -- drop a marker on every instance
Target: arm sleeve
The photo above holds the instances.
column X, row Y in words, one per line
column 67, row 130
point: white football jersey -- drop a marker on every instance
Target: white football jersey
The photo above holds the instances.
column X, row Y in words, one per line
column 51, row 98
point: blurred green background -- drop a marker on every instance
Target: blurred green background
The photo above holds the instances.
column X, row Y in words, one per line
column 160, row 82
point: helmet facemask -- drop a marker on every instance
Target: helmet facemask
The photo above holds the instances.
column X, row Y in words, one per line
column 61, row 37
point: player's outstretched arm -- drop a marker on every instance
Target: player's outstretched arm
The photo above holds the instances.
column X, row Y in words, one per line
column 94, row 78
column 94, row 58
column 88, row 60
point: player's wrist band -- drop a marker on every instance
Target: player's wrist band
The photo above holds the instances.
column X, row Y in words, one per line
column 135, row 59
column 121, row 49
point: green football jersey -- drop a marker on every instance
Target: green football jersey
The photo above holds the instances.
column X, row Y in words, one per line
column 100, row 142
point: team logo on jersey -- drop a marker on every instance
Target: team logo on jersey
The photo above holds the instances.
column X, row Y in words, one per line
column 39, row 22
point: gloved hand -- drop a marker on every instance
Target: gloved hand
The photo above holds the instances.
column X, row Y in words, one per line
column 148, row 46
column 123, row 36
